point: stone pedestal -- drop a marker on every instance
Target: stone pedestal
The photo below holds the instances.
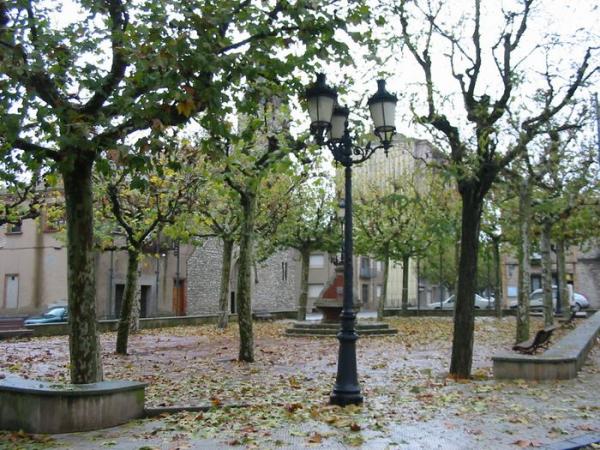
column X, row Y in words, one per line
column 331, row 310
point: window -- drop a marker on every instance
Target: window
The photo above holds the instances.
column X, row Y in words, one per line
column 536, row 282
column 284, row 269
column 119, row 293
column 13, row 229
column 379, row 290
column 317, row 261
column 365, row 293
column 314, row 290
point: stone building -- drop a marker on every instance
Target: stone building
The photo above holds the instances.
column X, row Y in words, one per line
column 33, row 274
column 275, row 281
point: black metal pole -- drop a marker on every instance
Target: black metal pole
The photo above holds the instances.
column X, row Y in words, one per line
column 441, row 279
column 489, row 278
column 558, row 284
column 157, row 271
column 346, row 390
column 418, row 286
column 597, row 110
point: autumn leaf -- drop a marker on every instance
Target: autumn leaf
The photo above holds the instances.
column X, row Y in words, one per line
column 315, row 438
column 293, row 407
column 294, row 382
column 186, row 107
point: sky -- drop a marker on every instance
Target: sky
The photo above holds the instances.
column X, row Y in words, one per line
column 565, row 18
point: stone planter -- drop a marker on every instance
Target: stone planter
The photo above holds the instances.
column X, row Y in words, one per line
column 43, row 407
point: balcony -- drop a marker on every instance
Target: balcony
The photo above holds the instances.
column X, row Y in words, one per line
column 367, row 272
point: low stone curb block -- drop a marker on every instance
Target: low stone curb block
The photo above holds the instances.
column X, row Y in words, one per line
column 561, row 362
column 160, row 410
column 45, row 407
column 327, row 329
column 576, row 442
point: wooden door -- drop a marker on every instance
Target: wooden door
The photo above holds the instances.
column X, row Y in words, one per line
column 179, row 304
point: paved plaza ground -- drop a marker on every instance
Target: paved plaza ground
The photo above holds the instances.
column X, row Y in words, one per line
column 409, row 401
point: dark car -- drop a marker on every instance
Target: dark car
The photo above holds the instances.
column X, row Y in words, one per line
column 54, row 314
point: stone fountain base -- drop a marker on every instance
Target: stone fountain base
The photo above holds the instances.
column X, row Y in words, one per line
column 329, row 329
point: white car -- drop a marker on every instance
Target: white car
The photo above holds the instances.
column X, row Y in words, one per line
column 480, row 303
column 536, row 300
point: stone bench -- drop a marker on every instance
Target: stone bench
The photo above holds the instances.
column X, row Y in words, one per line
column 44, row 407
column 561, row 362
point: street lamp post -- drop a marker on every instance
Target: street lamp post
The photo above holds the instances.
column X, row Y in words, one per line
column 329, row 126
column 558, row 281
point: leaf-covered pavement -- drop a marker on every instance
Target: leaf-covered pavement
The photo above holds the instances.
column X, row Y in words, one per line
column 409, row 402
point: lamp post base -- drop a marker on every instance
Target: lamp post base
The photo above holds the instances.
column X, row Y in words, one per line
column 346, row 390
column 345, row 398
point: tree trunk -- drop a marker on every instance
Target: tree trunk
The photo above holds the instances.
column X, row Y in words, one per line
column 524, row 262
column 84, row 343
column 224, row 289
column 563, row 291
column 547, row 273
column 497, row 277
column 134, row 320
column 405, row 266
column 128, row 300
column 464, row 314
column 457, row 251
column 244, row 292
column 303, row 298
column 386, row 274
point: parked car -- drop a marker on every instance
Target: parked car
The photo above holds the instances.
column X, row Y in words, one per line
column 54, row 314
column 536, row 300
column 480, row 303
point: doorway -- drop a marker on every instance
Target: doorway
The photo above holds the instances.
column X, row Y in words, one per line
column 144, row 300
column 11, row 291
column 179, row 306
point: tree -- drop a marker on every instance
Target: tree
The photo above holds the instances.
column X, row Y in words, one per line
column 310, row 225
column 21, row 199
column 140, row 204
column 475, row 149
column 565, row 181
column 261, row 148
column 73, row 91
column 395, row 223
column 492, row 227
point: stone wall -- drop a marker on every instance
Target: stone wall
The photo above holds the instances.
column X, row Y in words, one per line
column 275, row 282
column 204, row 278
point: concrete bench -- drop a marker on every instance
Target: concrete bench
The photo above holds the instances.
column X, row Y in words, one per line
column 561, row 362
column 13, row 327
column 44, row 407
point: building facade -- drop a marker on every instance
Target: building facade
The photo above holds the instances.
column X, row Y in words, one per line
column 275, row 282
column 582, row 267
column 33, row 274
column 380, row 170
